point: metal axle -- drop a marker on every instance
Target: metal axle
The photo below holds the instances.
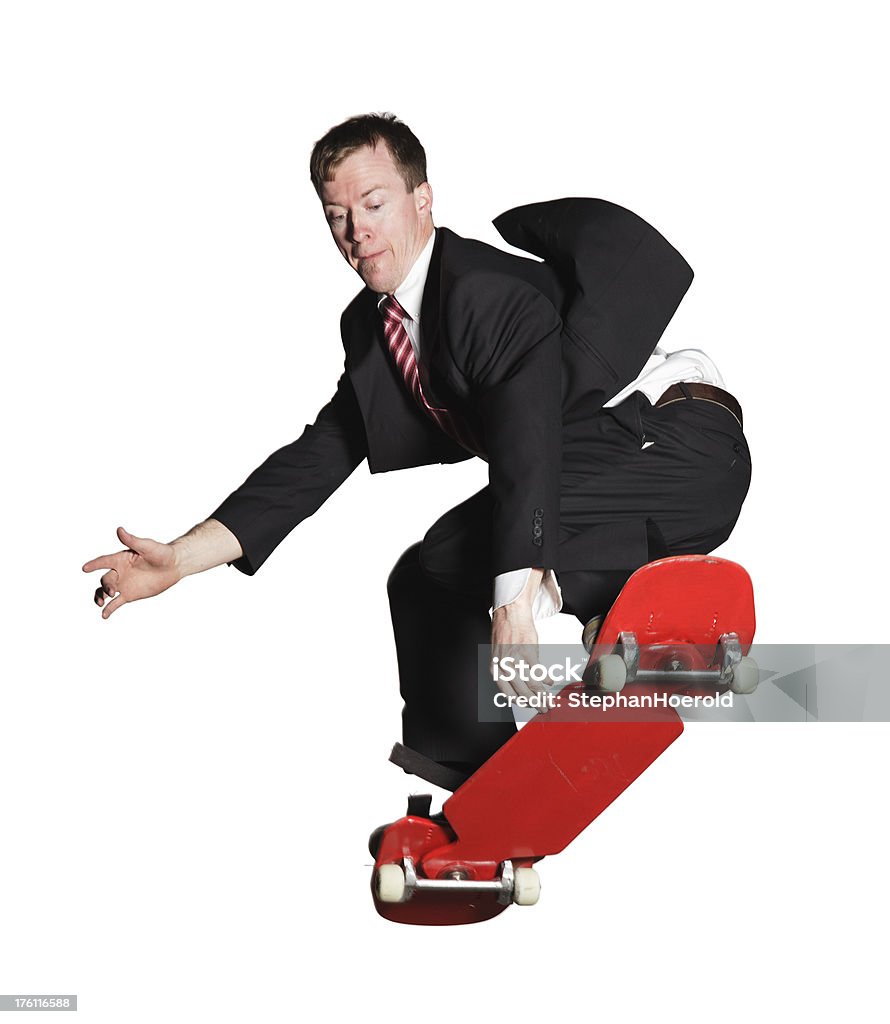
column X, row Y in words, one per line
column 458, row 882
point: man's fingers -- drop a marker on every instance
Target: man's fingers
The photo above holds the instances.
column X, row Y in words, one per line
column 141, row 545
column 112, row 606
column 525, row 688
column 509, row 680
column 505, row 688
column 517, row 688
column 517, row 664
column 102, row 562
column 526, row 657
column 137, row 544
column 107, row 587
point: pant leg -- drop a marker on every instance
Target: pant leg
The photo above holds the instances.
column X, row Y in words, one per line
column 590, row 592
column 440, row 594
column 680, row 494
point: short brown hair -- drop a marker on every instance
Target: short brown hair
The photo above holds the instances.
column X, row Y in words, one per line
column 344, row 139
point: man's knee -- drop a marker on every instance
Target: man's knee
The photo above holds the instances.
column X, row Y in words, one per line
column 405, row 572
column 456, row 551
column 425, row 568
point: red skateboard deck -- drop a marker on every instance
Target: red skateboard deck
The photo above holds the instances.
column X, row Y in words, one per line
column 691, row 614
column 687, row 599
column 564, row 767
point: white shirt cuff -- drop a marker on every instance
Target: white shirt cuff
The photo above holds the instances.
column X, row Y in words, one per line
column 509, row 585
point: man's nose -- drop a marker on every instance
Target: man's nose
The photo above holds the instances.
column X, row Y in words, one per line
column 358, row 228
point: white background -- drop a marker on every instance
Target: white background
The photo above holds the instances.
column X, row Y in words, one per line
column 186, row 789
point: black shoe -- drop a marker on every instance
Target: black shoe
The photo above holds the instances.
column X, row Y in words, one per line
column 418, row 807
column 448, row 775
column 375, row 839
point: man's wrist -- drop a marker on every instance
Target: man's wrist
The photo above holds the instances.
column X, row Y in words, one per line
column 513, row 609
column 181, row 557
column 204, row 546
column 517, row 612
column 526, row 598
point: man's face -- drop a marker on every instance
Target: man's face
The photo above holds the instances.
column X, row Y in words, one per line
column 379, row 227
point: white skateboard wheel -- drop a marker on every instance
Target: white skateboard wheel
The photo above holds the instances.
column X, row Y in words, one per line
column 612, row 674
column 526, row 887
column 391, row 883
column 745, row 676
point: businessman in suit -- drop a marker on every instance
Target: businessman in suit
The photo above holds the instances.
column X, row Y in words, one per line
column 603, row 451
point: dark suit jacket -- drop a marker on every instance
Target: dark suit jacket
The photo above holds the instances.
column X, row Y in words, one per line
column 521, row 349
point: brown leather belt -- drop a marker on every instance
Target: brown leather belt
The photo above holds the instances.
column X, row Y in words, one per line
column 705, row 392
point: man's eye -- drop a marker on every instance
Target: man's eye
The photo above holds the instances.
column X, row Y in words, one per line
column 335, row 217
column 376, row 206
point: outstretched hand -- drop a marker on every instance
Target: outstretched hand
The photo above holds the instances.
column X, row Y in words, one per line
column 145, row 569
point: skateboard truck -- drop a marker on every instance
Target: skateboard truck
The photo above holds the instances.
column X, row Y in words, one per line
column 397, row 883
column 676, row 663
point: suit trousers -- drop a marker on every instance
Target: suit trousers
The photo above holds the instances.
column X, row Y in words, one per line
column 682, row 469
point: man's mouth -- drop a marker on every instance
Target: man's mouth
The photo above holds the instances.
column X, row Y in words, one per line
column 370, row 256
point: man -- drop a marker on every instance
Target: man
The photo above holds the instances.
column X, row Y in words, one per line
column 603, row 451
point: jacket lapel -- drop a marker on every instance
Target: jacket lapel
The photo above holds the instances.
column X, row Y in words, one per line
column 442, row 379
column 399, row 435
column 432, row 298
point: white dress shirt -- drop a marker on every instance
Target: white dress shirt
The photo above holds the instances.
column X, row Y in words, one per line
column 662, row 370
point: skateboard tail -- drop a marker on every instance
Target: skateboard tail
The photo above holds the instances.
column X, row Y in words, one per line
column 529, row 800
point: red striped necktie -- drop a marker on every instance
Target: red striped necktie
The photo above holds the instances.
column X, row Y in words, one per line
column 403, row 354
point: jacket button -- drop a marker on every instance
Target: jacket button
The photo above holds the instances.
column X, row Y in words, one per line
column 537, row 531
column 537, row 542
column 539, row 511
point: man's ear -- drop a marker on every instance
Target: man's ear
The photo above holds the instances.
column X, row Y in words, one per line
column 423, row 198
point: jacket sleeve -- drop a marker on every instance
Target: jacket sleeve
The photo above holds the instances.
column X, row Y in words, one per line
column 509, row 342
column 295, row 481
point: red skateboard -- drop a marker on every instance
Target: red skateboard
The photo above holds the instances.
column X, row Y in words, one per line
column 686, row 620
